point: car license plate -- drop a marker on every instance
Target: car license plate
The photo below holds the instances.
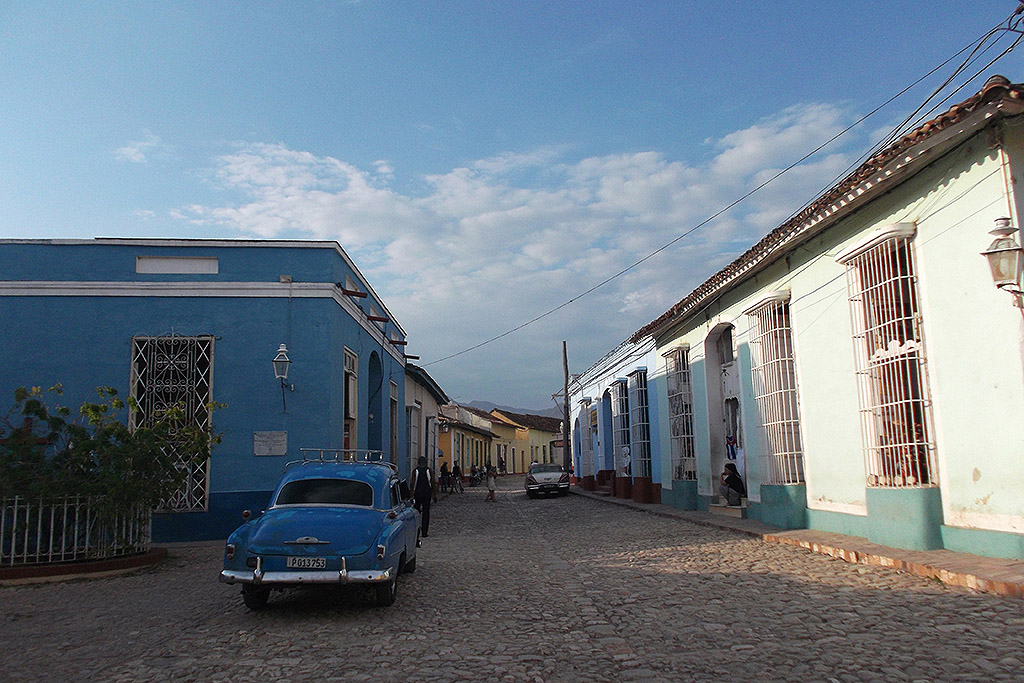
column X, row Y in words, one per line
column 306, row 563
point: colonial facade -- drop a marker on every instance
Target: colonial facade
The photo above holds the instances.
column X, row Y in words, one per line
column 858, row 365
column 192, row 322
column 466, row 439
column 423, row 401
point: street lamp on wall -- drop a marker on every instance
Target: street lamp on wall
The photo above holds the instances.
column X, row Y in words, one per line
column 1005, row 259
column 282, row 363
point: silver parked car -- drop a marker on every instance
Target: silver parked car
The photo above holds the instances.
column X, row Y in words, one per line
column 546, row 478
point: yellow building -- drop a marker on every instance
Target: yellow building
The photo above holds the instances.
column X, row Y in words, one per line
column 465, row 438
column 533, row 435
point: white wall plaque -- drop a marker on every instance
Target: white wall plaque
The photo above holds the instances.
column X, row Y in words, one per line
column 270, row 443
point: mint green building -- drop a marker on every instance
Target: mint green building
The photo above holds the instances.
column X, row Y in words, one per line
column 861, row 365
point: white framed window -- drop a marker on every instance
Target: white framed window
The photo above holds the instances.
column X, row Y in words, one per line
column 412, row 430
column 620, row 425
column 680, row 414
column 168, row 372
column 891, row 365
column 351, row 388
column 639, row 422
column 773, row 367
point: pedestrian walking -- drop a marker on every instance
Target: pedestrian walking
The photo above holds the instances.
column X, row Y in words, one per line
column 492, row 482
column 445, row 478
column 424, row 489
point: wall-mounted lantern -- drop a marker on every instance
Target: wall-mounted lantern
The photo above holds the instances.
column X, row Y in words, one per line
column 282, row 363
column 1005, row 259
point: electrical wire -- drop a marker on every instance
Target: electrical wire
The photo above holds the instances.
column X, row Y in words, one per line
column 1012, row 25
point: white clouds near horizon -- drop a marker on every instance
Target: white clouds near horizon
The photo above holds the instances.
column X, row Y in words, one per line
column 501, row 240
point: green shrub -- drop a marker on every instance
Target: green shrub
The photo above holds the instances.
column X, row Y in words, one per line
column 45, row 452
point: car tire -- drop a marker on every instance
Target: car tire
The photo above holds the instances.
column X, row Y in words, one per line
column 409, row 567
column 386, row 592
column 531, row 494
column 255, row 598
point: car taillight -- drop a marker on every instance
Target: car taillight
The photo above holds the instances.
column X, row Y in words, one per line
column 564, row 477
column 229, row 551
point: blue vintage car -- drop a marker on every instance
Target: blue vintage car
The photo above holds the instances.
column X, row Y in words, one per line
column 331, row 521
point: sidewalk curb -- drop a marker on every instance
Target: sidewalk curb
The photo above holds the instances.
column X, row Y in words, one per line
column 17, row 576
column 989, row 575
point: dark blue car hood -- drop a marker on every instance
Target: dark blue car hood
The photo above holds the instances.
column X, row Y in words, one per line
column 348, row 530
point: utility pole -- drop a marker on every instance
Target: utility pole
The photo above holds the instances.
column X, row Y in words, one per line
column 566, row 454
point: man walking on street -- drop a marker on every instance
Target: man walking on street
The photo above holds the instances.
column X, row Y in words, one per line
column 424, row 489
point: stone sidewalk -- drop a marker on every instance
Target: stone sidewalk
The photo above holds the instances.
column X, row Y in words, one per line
column 987, row 574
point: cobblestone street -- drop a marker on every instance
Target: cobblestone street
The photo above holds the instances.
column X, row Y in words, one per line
column 527, row 590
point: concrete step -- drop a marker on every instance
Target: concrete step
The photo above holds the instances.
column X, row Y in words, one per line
column 605, row 490
column 737, row 511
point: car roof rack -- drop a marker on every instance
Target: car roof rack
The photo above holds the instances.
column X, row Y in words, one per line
column 360, row 456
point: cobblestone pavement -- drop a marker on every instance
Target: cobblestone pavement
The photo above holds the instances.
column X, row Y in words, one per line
column 527, row 590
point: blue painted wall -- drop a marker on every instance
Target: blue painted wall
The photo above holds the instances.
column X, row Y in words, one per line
column 85, row 341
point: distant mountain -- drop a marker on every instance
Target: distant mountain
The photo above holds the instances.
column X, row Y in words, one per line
column 487, row 406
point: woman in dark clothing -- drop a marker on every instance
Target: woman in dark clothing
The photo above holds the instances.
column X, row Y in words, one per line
column 732, row 488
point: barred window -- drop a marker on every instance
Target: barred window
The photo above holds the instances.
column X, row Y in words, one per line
column 412, row 432
column 775, row 390
column 169, row 372
column 620, row 425
column 680, row 408
column 895, row 406
column 640, row 427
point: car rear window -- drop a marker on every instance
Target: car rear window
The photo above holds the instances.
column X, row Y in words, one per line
column 326, row 491
column 545, row 468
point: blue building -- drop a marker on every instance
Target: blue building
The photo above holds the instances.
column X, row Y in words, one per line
column 195, row 321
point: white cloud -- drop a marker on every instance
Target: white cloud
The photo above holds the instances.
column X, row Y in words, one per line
column 499, row 241
column 139, row 151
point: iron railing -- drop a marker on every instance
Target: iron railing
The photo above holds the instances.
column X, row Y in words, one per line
column 69, row 529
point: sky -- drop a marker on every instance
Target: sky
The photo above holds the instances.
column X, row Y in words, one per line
column 482, row 162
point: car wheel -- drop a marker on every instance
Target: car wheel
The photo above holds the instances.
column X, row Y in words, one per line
column 410, row 566
column 385, row 592
column 255, row 598
column 531, row 494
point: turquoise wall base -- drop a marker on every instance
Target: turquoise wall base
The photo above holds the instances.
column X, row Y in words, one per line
column 905, row 518
column 837, row 523
column 783, row 506
column 983, row 542
column 682, row 495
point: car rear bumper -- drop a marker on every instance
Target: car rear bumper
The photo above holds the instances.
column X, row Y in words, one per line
column 548, row 488
column 261, row 578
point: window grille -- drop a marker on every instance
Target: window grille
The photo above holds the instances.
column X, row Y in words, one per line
column 680, row 406
column 895, row 406
column 170, row 372
column 640, row 428
column 775, row 390
column 586, row 441
column 620, row 425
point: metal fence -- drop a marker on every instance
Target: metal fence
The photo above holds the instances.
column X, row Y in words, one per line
column 68, row 529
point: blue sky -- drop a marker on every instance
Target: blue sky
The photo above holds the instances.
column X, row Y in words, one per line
column 482, row 162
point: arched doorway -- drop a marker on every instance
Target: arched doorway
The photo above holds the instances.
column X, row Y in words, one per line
column 375, row 405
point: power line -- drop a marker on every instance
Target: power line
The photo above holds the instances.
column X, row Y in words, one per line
column 1011, row 25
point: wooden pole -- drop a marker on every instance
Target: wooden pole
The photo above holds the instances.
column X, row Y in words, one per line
column 566, row 453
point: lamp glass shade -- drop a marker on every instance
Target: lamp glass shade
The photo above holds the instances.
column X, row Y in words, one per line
column 1004, row 259
column 281, row 363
